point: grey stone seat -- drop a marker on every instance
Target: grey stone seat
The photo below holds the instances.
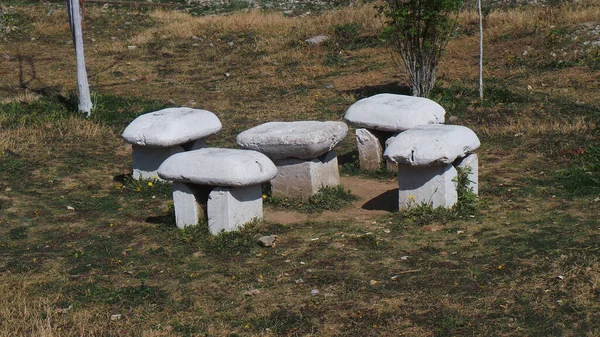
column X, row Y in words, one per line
column 157, row 135
column 302, row 151
column 228, row 180
column 427, row 157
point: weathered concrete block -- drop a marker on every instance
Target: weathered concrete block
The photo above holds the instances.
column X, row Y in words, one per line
column 146, row 160
column 434, row 185
column 471, row 161
column 188, row 211
column 229, row 208
column 370, row 152
column 299, row 178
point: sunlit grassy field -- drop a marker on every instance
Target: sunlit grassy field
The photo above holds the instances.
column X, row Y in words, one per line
column 85, row 251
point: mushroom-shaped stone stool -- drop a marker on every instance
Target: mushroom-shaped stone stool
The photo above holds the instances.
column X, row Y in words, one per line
column 157, row 135
column 378, row 117
column 427, row 157
column 302, row 151
column 228, row 180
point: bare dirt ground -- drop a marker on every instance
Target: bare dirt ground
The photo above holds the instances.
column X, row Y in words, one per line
column 376, row 198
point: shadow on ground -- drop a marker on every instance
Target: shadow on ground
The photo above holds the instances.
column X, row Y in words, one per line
column 389, row 88
column 387, row 201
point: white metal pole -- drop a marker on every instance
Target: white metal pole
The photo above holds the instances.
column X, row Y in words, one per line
column 480, row 52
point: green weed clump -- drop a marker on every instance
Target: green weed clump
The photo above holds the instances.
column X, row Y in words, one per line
column 225, row 244
column 328, row 198
column 467, row 199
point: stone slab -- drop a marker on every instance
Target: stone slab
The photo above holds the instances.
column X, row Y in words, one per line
column 394, row 113
column 229, row 208
column 218, row 167
column 432, row 145
column 471, row 161
column 302, row 139
column 299, row 178
column 370, row 152
column 432, row 185
column 172, row 126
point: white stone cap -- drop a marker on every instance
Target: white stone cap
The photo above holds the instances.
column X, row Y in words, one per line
column 172, row 126
column 218, row 167
column 394, row 113
column 302, row 139
column 432, row 145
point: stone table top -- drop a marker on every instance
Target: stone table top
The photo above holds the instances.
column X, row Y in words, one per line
column 172, row 126
column 430, row 145
column 394, row 113
column 218, row 167
column 301, row 139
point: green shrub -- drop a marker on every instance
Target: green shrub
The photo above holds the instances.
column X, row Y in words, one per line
column 419, row 30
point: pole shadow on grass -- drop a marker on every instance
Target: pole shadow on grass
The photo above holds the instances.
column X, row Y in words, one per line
column 28, row 76
column 386, row 201
column 389, row 88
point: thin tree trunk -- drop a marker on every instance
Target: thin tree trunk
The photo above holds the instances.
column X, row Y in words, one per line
column 85, row 102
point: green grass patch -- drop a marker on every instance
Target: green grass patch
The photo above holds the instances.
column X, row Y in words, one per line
column 225, row 245
column 352, row 168
column 115, row 111
column 14, row 25
column 582, row 177
column 328, row 198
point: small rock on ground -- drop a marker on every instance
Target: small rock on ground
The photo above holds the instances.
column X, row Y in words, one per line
column 267, row 241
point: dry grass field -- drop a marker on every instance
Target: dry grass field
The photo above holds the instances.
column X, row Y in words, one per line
column 85, row 251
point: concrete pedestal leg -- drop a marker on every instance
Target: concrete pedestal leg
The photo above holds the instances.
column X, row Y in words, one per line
column 229, row 208
column 146, row 160
column 434, row 185
column 188, row 211
column 298, row 178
